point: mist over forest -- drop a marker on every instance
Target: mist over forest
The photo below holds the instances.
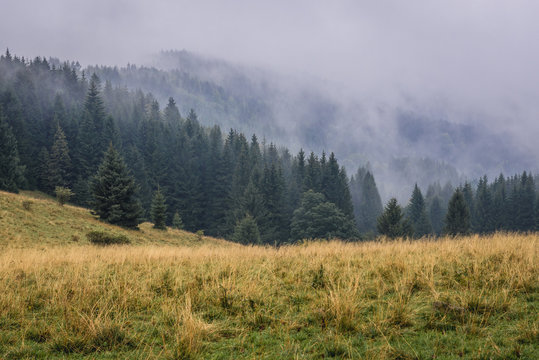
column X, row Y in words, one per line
column 420, row 92
column 401, row 143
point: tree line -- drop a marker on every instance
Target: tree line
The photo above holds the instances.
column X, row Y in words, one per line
column 506, row 204
column 60, row 128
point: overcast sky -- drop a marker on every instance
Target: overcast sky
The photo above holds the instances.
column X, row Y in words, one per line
column 475, row 54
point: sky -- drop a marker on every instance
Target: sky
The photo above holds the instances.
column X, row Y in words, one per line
column 473, row 56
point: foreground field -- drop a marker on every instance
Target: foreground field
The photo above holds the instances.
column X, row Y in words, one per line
column 473, row 297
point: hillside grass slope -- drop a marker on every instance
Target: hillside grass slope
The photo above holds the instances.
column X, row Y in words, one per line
column 470, row 297
column 45, row 223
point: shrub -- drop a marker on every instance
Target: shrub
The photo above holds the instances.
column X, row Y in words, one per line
column 104, row 238
column 63, row 195
column 177, row 222
column 199, row 234
column 27, row 205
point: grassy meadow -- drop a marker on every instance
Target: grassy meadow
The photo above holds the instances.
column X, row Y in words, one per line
column 173, row 295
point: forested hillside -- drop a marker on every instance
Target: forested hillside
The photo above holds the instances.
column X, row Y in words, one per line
column 57, row 122
column 62, row 124
column 404, row 143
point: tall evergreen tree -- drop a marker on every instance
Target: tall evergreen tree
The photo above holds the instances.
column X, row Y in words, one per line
column 436, row 214
column 392, row 223
column 275, row 227
column 313, row 174
column 526, row 208
column 468, row 194
column 159, row 210
column 499, row 204
column 172, row 114
column 11, row 172
column 484, row 220
column 89, row 140
column 59, row 162
column 113, row 191
column 418, row 214
column 366, row 201
column 537, row 213
column 457, row 220
column 253, row 200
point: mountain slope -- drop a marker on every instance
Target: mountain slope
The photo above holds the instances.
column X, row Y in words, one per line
column 298, row 111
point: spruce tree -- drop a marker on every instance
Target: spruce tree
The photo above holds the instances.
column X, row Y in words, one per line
column 177, row 221
column 457, row 220
column 91, row 142
column 159, row 210
column 313, row 174
column 436, row 214
column 418, row 214
column 246, row 231
column 11, row 173
column 59, row 162
column 467, row 193
column 172, row 114
column 537, row 213
column 526, row 206
column 113, row 190
column 392, row 223
column 275, row 227
column 42, row 171
column 484, row 219
column 367, row 202
column 499, row 204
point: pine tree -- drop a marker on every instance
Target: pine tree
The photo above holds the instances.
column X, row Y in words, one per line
column 172, row 114
column 436, row 214
column 499, row 204
column 483, row 208
column 59, row 164
column 42, row 171
column 113, row 191
column 457, row 220
column 526, row 206
column 366, row 201
column 11, row 173
column 331, row 181
column 392, row 223
column 91, row 143
column 253, row 200
column 159, row 210
column 246, row 231
column 177, row 221
column 313, row 174
column 468, row 195
column 418, row 214
column 275, row 227
column 537, row 213
column 513, row 206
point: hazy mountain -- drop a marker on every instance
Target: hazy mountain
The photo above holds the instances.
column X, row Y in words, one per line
column 404, row 142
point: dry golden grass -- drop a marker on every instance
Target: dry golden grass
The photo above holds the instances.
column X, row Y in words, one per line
column 472, row 297
column 467, row 296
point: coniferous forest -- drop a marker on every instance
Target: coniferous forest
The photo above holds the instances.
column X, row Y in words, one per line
column 61, row 127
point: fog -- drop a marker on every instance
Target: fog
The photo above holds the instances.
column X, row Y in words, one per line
column 470, row 60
